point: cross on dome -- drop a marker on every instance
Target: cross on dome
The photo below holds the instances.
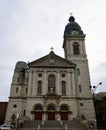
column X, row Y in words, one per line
column 71, row 14
column 51, row 48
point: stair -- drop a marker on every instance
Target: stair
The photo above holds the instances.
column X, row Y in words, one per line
column 72, row 124
column 52, row 125
column 30, row 125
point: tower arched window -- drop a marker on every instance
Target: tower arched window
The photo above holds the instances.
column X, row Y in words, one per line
column 51, row 83
column 76, row 50
column 63, row 88
column 39, row 89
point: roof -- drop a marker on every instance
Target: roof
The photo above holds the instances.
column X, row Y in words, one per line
column 73, row 26
column 51, row 61
column 20, row 66
column 100, row 96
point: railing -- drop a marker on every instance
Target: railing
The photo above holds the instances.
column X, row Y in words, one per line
column 62, row 125
column 57, row 129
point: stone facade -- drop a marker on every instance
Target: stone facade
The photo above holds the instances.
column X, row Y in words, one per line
column 52, row 87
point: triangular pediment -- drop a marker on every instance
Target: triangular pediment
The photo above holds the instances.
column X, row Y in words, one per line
column 51, row 60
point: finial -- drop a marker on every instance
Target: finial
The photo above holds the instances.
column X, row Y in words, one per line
column 71, row 19
column 71, row 14
column 51, row 48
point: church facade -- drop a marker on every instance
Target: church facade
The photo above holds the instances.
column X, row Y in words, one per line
column 52, row 87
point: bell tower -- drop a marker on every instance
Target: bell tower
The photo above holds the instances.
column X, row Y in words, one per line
column 74, row 41
column 75, row 51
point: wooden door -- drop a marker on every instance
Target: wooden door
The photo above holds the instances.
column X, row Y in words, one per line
column 38, row 115
column 51, row 115
column 64, row 115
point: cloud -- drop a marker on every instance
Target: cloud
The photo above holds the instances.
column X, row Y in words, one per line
column 28, row 29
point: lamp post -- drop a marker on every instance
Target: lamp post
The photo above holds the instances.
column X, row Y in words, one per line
column 93, row 89
column 17, row 123
column 13, row 120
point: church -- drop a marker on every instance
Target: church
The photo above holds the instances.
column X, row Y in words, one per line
column 53, row 87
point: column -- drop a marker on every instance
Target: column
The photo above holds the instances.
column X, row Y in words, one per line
column 45, row 85
column 57, row 112
column 73, row 83
column 45, row 114
column 58, row 83
column 29, row 83
column 34, row 84
column 68, row 83
column 71, row 47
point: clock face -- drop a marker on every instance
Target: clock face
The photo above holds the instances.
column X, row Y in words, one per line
column 74, row 32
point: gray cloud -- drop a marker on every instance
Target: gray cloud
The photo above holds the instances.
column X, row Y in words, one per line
column 29, row 28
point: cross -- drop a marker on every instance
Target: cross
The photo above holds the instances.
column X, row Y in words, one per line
column 71, row 14
column 51, row 48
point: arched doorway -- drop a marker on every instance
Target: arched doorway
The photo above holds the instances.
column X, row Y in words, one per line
column 38, row 112
column 51, row 113
column 64, row 113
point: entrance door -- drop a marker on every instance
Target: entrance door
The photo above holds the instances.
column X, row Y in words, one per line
column 51, row 112
column 38, row 115
column 64, row 112
column 51, row 115
column 38, row 112
column 64, row 115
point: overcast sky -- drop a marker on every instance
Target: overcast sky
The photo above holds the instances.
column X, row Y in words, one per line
column 29, row 28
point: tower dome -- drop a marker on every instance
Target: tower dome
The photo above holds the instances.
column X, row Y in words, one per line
column 21, row 65
column 72, row 28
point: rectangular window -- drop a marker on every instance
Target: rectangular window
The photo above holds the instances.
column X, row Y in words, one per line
column 63, row 88
column 24, row 112
column 78, row 71
column 16, row 90
column 26, row 90
column 27, row 79
column 39, row 90
column 80, row 88
column 18, row 80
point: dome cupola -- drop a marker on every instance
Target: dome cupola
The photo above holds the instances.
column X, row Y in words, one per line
column 73, row 28
column 21, row 65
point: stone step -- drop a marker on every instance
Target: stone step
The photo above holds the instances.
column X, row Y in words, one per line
column 52, row 129
column 31, row 124
column 52, row 125
column 72, row 124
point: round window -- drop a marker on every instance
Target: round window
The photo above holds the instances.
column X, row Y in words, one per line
column 81, row 104
column 40, row 74
column 14, row 106
column 63, row 75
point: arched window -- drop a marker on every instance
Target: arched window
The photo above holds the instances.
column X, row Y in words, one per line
column 63, row 108
column 51, row 83
column 39, row 89
column 38, row 108
column 51, row 108
column 63, row 88
column 76, row 48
